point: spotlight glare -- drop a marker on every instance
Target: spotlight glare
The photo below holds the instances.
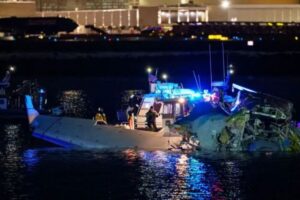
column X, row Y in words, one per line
column 250, row 43
column 181, row 100
column 149, row 70
column 12, row 68
column 165, row 76
column 225, row 4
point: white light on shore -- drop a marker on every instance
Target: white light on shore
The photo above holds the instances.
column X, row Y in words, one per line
column 250, row 43
column 225, row 4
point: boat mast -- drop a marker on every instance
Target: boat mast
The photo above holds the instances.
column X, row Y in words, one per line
column 196, row 80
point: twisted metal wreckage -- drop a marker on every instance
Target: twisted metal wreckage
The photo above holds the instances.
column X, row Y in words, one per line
column 252, row 121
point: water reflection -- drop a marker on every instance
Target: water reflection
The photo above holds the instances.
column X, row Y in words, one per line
column 30, row 159
column 131, row 156
column 176, row 176
column 11, row 176
column 129, row 173
column 134, row 174
column 231, row 174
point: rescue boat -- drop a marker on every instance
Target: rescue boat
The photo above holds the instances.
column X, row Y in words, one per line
column 168, row 99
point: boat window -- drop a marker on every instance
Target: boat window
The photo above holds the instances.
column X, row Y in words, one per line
column 147, row 105
column 145, row 108
column 177, row 109
column 157, row 106
column 168, row 109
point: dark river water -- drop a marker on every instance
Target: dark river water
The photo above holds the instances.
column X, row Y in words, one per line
column 31, row 171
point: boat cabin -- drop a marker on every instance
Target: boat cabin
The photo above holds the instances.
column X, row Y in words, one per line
column 169, row 100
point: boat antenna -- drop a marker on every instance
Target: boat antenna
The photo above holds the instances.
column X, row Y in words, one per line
column 195, row 77
column 199, row 82
column 210, row 65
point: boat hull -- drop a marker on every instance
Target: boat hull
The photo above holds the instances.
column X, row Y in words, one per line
column 76, row 132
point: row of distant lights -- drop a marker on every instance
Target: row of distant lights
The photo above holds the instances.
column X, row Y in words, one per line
column 224, row 4
column 167, row 14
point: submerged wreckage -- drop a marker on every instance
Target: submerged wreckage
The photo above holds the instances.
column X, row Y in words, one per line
column 252, row 121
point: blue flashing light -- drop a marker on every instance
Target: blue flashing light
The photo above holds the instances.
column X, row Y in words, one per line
column 197, row 94
column 172, row 91
column 42, row 91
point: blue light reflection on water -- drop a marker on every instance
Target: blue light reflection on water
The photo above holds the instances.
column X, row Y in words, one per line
column 58, row 173
column 160, row 175
column 35, row 173
column 133, row 175
column 175, row 176
column 30, row 158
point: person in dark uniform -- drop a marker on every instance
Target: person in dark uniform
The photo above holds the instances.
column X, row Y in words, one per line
column 151, row 118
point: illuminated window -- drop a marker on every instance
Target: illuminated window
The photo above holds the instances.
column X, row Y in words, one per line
column 177, row 109
column 168, row 109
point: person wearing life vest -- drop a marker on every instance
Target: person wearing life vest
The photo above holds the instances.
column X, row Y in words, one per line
column 151, row 119
column 131, row 121
column 100, row 117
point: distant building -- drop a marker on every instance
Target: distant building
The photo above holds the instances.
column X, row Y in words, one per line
column 71, row 5
column 120, row 13
column 17, row 8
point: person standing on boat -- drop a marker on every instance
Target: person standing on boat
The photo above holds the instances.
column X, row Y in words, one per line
column 100, row 117
column 151, row 118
